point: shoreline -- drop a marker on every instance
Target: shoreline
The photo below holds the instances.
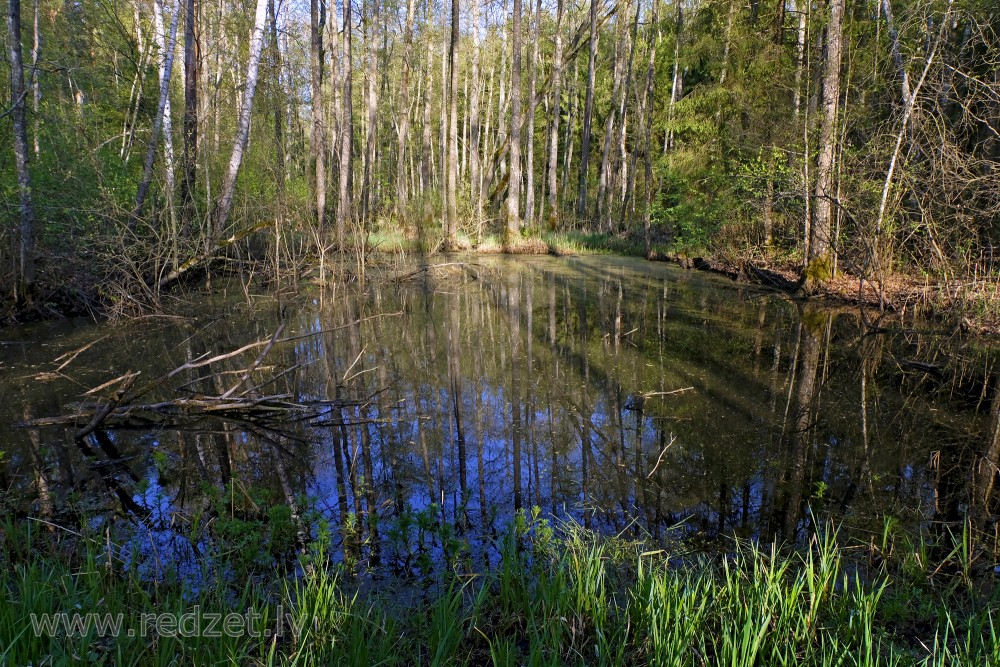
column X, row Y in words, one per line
column 967, row 306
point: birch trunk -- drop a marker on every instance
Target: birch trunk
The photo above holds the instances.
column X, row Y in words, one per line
column 453, row 131
column 588, row 114
column 514, row 182
column 317, row 20
column 18, row 96
column 167, row 60
column 228, row 188
column 647, row 183
column 371, row 98
column 474, row 155
column 403, row 112
column 557, row 66
column 344, row 204
column 529, row 163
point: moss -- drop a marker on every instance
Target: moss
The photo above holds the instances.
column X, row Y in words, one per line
column 819, row 269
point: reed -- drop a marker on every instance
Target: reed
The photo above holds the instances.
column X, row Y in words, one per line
column 552, row 596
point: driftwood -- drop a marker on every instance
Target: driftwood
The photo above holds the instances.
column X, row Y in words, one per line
column 242, row 403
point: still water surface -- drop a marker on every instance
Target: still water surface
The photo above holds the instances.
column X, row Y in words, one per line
column 621, row 394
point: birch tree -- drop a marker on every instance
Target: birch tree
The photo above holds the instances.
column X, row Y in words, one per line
column 345, row 201
column 588, row 114
column 553, row 165
column 167, row 60
column 514, row 180
column 228, row 188
column 18, row 94
column 452, row 240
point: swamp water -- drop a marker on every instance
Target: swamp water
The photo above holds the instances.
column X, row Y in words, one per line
column 627, row 396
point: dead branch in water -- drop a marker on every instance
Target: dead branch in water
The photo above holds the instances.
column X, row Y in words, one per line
column 247, row 406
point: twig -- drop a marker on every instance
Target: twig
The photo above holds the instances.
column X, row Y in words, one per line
column 659, row 459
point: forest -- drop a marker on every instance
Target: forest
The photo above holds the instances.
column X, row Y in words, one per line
column 274, row 340
column 146, row 141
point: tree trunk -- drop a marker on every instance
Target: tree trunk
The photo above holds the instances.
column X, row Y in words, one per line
column 554, row 126
column 647, row 183
column 514, row 181
column 425, row 152
column 167, row 60
column 475, row 161
column 588, row 114
column 371, row 99
column 677, row 79
column 18, row 96
column 168, row 130
column 344, row 210
column 529, row 163
column 820, row 261
column 228, row 187
column 36, row 89
column 191, row 115
column 279, row 122
column 897, row 57
column 800, row 48
column 403, row 112
column 728, row 41
column 317, row 21
column 452, row 240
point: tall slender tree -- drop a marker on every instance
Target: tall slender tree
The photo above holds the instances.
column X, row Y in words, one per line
column 189, row 179
column 371, row 104
column 588, row 114
column 557, row 67
column 475, row 175
column 225, row 202
column 317, row 21
column 514, row 173
column 403, row 112
column 819, row 260
column 452, row 241
column 529, row 162
column 167, row 66
column 26, row 265
column 346, row 199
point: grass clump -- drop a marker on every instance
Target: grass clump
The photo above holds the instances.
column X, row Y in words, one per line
column 550, row 596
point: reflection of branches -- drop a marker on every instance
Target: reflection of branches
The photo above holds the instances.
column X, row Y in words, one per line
column 240, row 404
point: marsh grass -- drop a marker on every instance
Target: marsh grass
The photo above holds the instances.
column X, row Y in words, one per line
column 552, row 596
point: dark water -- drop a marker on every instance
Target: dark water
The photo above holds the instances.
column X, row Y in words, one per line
column 625, row 395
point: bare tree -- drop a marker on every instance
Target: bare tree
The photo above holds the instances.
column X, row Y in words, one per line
column 588, row 114
column 529, row 163
column 18, row 96
column 403, row 113
column 650, row 89
column 190, row 114
column 167, row 65
column 474, row 155
column 371, row 102
column 557, row 66
column 453, row 131
column 344, row 203
column 228, row 188
column 514, row 180
column 317, row 21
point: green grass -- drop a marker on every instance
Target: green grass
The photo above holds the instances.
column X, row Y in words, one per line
column 554, row 596
column 582, row 243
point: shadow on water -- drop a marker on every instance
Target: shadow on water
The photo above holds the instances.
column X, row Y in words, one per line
column 626, row 396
